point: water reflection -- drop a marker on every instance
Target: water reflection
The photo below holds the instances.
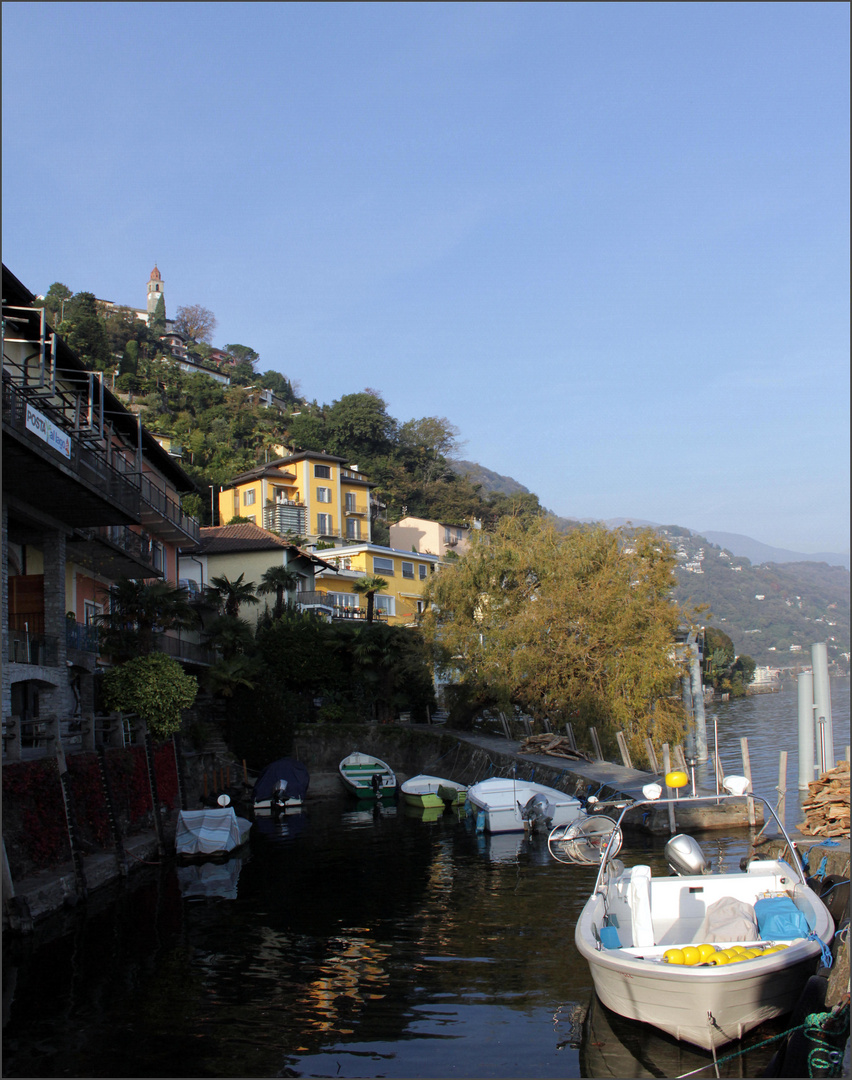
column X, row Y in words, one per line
column 360, row 941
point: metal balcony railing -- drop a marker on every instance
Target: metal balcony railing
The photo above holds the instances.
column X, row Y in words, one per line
column 111, row 478
column 26, row 647
column 81, row 636
column 169, row 509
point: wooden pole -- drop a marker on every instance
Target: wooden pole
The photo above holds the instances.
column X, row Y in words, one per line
column 652, row 757
column 782, row 785
column 747, row 774
column 622, row 746
column 569, row 731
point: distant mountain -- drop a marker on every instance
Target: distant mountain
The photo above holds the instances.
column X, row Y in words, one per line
column 756, row 552
column 744, row 546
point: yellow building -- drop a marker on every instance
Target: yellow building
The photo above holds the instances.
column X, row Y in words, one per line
column 406, row 573
column 433, row 537
column 316, row 496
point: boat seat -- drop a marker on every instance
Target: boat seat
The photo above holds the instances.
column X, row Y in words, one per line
column 642, row 928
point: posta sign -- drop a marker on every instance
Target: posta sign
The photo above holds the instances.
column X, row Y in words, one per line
column 48, row 432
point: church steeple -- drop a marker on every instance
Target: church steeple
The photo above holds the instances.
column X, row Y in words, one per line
column 155, row 290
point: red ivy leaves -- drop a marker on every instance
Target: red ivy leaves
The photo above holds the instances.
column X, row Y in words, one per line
column 34, row 815
column 165, row 769
column 84, row 774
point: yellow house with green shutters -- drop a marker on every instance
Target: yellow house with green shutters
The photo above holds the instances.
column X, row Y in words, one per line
column 316, row 496
column 406, row 572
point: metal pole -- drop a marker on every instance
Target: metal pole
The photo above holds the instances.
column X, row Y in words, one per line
column 805, row 683
column 698, row 705
column 822, row 698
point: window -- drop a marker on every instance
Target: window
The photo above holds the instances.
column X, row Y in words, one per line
column 90, row 610
column 351, row 505
column 408, row 570
column 323, row 494
column 387, row 604
column 344, row 600
column 383, row 566
column 422, row 572
column 322, row 472
column 248, row 497
column 353, row 529
column 324, row 524
column 452, row 535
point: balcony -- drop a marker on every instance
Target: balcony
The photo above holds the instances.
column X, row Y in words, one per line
column 164, row 515
column 81, row 636
column 116, row 551
column 82, row 490
column 29, row 647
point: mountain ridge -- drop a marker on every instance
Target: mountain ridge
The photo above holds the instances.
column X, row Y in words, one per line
column 756, row 551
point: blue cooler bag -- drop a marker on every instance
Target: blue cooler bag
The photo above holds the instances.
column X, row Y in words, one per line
column 778, row 917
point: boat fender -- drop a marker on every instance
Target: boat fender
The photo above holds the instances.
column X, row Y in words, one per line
column 480, row 821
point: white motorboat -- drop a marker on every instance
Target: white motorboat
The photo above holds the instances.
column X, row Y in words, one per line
column 506, row 804
column 704, row 957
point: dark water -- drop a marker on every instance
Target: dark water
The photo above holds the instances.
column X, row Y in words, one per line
column 353, row 943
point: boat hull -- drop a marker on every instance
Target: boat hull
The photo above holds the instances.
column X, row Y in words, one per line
column 432, row 792
column 497, row 805
column 704, row 1005
column 357, row 772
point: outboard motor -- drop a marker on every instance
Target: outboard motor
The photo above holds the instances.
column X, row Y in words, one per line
column 535, row 811
column 279, row 795
column 684, row 855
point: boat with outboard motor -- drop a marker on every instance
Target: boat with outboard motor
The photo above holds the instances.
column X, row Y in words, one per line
column 432, row 791
column 281, row 787
column 704, row 957
column 367, row 777
column 506, row 804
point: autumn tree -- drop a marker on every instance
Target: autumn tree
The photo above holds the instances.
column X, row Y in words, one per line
column 195, row 322
column 575, row 627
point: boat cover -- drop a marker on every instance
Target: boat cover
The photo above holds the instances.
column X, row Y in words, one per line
column 209, row 832
column 294, row 772
column 729, row 919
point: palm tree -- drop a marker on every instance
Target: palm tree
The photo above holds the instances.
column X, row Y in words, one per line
column 139, row 612
column 368, row 586
column 230, row 595
column 278, row 580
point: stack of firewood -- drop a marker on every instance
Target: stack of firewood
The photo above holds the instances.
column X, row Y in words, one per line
column 556, row 745
column 827, row 805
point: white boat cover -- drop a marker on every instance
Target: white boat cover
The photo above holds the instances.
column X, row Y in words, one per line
column 640, row 907
column 729, row 919
column 209, row 832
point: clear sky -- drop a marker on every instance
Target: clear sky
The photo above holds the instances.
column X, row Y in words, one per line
column 609, row 242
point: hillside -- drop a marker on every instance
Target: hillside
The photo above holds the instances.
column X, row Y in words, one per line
column 767, row 610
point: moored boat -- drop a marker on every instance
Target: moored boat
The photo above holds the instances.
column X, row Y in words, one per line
column 281, row 787
column 207, row 833
column 426, row 791
column 506, row 804
column 705, row 957
column 367, row 777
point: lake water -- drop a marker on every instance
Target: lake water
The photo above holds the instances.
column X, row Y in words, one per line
column 354, row 942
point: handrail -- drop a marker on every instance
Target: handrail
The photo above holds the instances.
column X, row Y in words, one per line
column 691, row 801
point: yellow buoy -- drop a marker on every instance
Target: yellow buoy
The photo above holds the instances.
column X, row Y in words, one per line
column 676, row 779
column 673, row 956
column 706, row 951
column 691, row 955
column 719, row 958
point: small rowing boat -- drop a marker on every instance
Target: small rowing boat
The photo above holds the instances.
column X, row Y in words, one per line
column 432, row 791
column 367, row 777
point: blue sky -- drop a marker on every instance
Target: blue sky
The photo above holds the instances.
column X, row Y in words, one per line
column 609, row 242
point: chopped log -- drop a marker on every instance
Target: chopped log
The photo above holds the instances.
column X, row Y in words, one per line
column 827, row 805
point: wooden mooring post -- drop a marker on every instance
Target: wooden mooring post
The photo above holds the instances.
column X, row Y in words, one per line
column 747, row 774
column 596, row 743
column 652, row 757
column 625, row 752
column 667, row 768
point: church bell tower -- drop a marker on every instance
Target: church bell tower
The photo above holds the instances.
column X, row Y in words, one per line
column 155, row 291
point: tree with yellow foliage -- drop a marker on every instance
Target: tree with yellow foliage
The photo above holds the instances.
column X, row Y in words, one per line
column 578, row 626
